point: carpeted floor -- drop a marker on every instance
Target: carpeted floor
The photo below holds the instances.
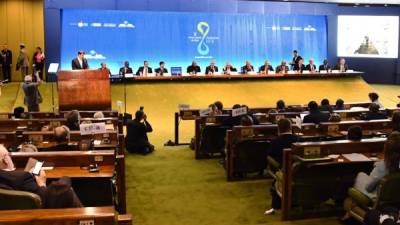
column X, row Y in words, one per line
column 169, row 187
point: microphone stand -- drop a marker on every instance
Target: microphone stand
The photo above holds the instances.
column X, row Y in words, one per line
column 125, row 114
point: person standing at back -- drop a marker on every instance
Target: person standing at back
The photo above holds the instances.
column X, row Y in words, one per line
column 23, row 61
column 38, row 62
column 32, row 97
column 295, row 60
column 136, row 139
column 6, row 62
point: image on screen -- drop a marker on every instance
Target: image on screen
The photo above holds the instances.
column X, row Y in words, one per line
column 178, row 38
column 368, row 36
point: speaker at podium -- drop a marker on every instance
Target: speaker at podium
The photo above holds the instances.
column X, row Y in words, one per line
column 83, row 90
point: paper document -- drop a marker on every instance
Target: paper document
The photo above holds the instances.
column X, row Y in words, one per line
column 356, row 157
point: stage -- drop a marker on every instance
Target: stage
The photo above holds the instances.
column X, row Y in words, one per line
column 161, row 99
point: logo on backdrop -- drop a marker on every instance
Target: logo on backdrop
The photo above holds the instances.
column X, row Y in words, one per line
column 203, row 40
column 202, row 47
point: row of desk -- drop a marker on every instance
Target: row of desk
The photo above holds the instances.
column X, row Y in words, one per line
column 204, row 77
column 99, row 191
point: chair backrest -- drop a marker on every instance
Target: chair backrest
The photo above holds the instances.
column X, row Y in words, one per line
column 213, row 139
column 251, row 155
column 11, row 199
column 388, row 191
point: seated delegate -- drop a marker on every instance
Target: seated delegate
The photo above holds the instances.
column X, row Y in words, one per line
column 283, row 68
column 247, row 68
column 125, row 69
column 367, row 184
column 212, row 68
column 61, row 137
column 161, row 70
column 265, row 68
column 228, row 69
column 315, row 115
column 284, row 140
column 11, row 179
column 144, row 70
column 193, row 69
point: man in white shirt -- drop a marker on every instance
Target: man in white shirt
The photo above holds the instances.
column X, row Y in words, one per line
column 144, row 70
column 80, row 63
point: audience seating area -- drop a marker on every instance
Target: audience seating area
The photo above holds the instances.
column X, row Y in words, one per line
column 101, row 191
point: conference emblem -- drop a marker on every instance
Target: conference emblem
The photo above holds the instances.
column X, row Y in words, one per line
column 202, row 47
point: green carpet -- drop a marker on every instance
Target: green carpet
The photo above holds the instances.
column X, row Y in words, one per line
column 169, row 187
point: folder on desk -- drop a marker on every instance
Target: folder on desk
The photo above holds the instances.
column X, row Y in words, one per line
column 356, row 157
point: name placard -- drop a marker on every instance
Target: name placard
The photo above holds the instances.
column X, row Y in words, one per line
column 92, row 128
column 239, row 111
column 204, row 112
column 183, row 107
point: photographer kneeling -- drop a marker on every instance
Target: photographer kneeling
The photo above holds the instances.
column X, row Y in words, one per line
column 136, row 139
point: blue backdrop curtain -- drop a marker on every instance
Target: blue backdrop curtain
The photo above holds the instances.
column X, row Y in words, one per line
column 178, row 38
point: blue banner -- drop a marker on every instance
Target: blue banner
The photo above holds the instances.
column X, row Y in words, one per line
column 179, row 38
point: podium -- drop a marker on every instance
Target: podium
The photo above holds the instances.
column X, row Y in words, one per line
column 83, row 90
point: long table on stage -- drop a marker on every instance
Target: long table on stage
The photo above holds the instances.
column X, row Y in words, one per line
column 203, row 77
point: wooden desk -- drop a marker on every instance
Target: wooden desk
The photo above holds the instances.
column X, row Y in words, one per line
column 203, row 77
column 106, row 171
column 342, row 179
column 45, row 139
column 99, row 215
column 66, row 158
column 11, row 125
column 263, row 114
column 84, row 90
column 84, row 182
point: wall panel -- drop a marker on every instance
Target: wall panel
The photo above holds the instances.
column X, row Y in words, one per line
column 22, row 22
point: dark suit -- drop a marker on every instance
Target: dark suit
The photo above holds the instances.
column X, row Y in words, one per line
column 346, row 67
column 245, row 69
column 233, row 69
column 6, row 61
column 232, row 121
column 262, row 68
column 297, row 67
column 161, row 71
column 136, row 137
column 193, row 69
column 275, row 150
column 311, row 67
column 373, row 116
column 141, row 69
column 296, row 61
column 211, row 70
column 277, row 145
column 324, row 67
column 316, row 117
column 32, row 97
column 124, row 70
column 62, row 147
column 282, row 68
column 77, row 66
column 326, row 108
column 20, row 181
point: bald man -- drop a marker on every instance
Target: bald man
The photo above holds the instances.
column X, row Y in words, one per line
column 62, row 138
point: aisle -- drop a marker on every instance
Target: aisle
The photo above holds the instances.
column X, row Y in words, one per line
column 169, row 187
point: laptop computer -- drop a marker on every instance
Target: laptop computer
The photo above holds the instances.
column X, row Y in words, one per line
column 176, row 71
